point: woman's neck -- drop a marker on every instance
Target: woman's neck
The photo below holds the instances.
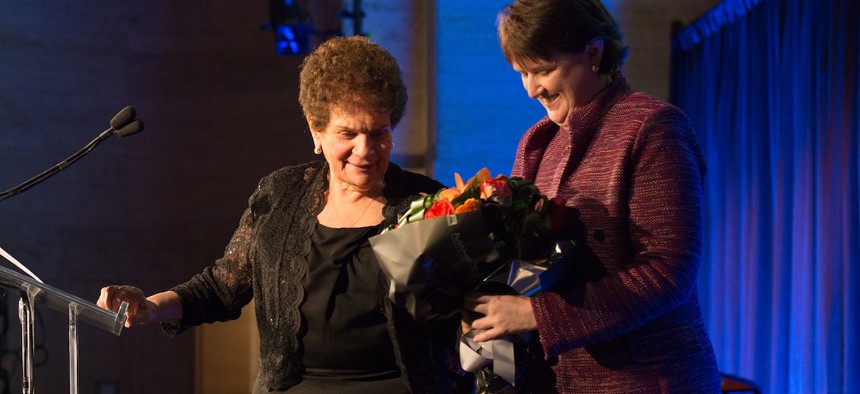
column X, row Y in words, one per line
column 346, row 193
column 603, row 82
column 599, row 85
column 348, row 207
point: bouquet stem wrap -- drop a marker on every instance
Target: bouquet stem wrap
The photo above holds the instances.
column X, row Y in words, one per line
column 498, row 352
column 516, row 277
column 432, row 262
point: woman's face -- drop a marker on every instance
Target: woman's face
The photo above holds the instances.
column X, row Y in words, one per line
column 357, row 147
column 562, row 83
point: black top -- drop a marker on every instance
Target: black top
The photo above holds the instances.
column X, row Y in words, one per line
column 346, row 341
column 267, row 258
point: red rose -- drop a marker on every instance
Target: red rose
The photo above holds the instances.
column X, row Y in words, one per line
column 559, row 215
column 442, row 207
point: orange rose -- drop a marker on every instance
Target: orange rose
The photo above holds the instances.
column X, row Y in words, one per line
column 472, row 204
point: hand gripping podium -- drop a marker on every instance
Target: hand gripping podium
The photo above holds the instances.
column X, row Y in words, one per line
column 31, row 292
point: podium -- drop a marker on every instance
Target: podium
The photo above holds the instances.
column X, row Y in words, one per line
column 78, row 309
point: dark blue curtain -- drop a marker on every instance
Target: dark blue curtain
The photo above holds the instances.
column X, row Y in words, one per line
column 772, row 89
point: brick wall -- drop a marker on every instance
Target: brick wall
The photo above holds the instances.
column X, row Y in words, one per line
column 150, row 209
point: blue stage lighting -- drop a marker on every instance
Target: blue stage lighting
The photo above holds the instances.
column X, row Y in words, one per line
column 292, row 34
column 292, row 39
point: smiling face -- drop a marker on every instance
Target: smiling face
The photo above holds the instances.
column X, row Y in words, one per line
column 357, row 146
column 564, row 82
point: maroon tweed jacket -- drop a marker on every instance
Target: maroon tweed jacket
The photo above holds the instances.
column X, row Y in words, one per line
column 626, row 320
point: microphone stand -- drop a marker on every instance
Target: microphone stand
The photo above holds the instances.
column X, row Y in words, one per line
column 56, row 168
column 123, row 124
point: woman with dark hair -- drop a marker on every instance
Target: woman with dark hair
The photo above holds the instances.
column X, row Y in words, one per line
column 627, row 320
column 301, row 250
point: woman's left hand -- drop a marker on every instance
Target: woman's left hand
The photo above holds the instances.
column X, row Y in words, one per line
column 503, row 314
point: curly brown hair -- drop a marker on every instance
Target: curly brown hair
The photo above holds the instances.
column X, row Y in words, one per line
column 350, row 73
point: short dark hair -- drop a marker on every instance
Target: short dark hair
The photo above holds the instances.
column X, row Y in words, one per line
column 540, row 29
column 351, row 73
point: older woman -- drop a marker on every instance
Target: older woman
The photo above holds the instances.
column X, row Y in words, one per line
column 628, row 320
column 301, row 250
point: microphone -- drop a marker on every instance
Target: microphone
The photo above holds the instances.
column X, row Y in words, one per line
column 122, row 124
column 134, row 126
column 122, row 117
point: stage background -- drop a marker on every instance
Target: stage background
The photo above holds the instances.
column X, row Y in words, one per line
column 772, row 89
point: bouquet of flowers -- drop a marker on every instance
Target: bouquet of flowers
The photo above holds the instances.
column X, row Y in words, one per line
column 447, row 242
column 493, row 234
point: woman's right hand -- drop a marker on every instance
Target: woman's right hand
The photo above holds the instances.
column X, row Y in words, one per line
column 140, row 309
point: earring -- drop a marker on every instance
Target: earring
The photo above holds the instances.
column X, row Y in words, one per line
column 318, row 150
column 595, row 69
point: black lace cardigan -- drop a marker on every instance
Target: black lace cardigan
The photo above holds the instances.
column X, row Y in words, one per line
column 266, row 260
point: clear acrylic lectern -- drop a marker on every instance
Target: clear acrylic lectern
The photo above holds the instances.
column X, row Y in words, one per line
column 33, row 292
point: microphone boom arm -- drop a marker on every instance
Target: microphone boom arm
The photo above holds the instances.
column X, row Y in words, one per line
column 56, row 168
column 123, row 124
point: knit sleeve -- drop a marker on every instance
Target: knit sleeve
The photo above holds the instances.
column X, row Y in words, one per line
column 219, row 292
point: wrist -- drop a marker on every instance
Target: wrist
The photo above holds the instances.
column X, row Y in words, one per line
column 153, row 311
column 165, row 306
